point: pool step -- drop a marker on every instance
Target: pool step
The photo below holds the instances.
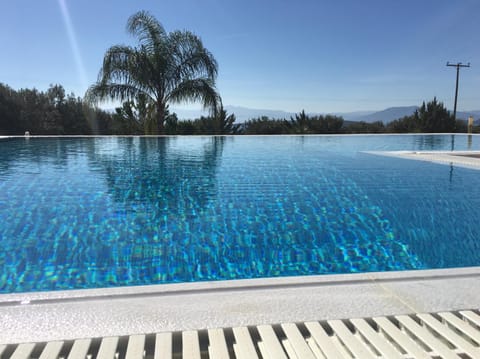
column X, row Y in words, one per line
column 436, row 335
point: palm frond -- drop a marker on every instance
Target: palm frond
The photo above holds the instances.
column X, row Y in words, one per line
column 147, row 29
column 129, row 66
column 116, row 64
column 190, row 58
column 99, row 92
column 196, row 90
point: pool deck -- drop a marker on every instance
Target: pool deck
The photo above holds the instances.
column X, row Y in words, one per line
column 467, row 159
column 63, row 315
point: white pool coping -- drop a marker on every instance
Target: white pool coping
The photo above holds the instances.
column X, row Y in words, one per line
column 64, row 315
column 452, row 158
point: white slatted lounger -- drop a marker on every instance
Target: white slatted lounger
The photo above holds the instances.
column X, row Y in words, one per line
column 384, row 347
column 51, row 350
column 136, row 347
column 270, row 345
column 108, row 348
column 23, row 351
column 422, row 336
column 297, row 341
column 191, row 345
column 80, row 349
column 244, row 347
column 218, row 345
column 163, row 346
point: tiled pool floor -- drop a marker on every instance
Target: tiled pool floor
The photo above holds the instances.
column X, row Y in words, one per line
column 48, row 316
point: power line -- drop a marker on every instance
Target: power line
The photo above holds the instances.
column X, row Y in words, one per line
column 457, row 65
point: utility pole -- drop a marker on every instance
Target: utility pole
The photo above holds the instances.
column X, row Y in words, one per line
column 457, row 65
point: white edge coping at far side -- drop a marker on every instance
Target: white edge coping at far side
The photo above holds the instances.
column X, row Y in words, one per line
column 453, row 158
column 253, row 135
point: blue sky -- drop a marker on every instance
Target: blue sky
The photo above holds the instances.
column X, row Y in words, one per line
column 321, row 56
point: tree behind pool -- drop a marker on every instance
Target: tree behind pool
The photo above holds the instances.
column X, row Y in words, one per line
column 432, row 117
column 164, row 68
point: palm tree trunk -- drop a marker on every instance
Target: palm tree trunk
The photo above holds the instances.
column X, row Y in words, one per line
column 160, row 118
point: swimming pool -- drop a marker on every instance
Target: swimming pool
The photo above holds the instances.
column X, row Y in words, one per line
column 117, row 211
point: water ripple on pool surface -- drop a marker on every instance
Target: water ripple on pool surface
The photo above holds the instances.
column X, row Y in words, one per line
column 83, row 213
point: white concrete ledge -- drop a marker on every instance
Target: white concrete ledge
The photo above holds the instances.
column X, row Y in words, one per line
column 76, row 314
column 467, row 159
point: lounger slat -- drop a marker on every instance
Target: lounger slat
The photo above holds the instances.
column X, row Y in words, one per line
column 450, row 335
column 315, row 349
column 425, row 336
column 163, row 346
column 244, row 347
column 296, row 339
column 218, row 345
column 445, row 335
column 353, row 344
column 79, row 349
column 108, row 348
column 402, row 339
column 270, row 346
column 287, row 346
column 461, row 325
column 136, row 347
column 190, row 345
column 23, row 351
column 473, row 317
column 51, row 350
column 323, row 340
column 377, row 340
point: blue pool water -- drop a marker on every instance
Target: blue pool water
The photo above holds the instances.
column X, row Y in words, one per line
column 100, row 212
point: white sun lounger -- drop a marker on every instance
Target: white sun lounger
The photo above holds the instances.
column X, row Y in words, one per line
column 443, row 335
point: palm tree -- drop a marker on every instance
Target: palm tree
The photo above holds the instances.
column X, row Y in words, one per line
column 164, row 68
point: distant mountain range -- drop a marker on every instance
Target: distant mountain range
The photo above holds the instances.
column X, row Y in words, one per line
column 385, row 116
column 394, row 113
column 243, row 114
